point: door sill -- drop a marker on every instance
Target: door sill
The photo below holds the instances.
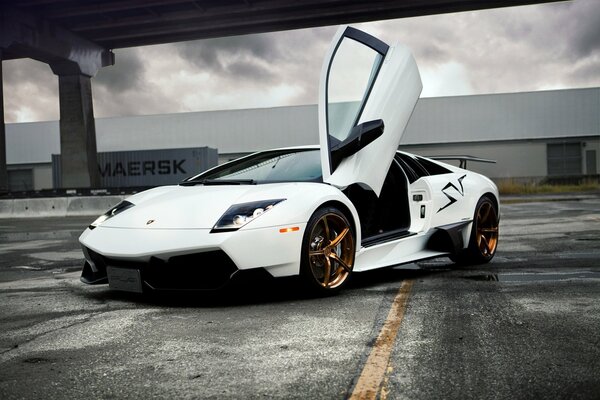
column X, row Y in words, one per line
column 385, row 237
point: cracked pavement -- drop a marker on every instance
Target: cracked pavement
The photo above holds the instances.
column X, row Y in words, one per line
column 525, row 326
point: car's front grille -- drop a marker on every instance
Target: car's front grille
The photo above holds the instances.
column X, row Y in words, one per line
column 198, row 271
column 209, row 270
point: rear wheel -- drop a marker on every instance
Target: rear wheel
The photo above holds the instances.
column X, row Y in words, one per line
column 484, row 235
column 328, row 249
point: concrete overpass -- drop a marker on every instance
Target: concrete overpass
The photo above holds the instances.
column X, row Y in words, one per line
column 75, row 38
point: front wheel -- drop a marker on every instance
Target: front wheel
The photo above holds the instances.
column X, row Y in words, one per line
column 328, row 249
column 484, row 235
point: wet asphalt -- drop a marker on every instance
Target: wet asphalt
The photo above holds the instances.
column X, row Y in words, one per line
column 525, row 326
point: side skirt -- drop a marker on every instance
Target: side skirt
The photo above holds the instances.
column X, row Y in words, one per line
column 399, row 251
column 385, row 237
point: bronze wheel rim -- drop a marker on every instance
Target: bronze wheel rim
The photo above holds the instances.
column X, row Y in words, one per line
column 487, row 229
column 331, row 251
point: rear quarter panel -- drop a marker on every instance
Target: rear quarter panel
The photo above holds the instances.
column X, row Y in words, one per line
column 455, row 195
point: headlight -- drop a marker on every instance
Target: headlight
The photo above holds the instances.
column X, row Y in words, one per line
column 239, row 215
column 119, row 208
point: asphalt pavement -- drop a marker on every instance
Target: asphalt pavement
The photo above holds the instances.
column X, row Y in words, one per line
column 525, row 326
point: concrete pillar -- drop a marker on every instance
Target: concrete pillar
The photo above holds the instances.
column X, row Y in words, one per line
column 79, row 167
column 3, row 173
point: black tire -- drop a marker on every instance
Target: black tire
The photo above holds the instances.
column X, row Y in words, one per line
column 484, row 235
column 328, row 245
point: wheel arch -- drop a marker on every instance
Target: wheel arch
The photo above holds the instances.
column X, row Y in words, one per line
column 487, row 193
column 494, row 199
column 348, row 213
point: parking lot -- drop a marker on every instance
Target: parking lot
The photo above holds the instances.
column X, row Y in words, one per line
column 524, row 326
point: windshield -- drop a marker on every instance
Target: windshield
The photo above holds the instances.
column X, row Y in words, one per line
column 269, row 166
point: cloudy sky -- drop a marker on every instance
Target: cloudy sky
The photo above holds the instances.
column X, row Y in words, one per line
column 539, row 47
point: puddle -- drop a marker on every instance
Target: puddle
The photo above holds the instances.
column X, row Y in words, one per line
column 58, row 255
column 28, row 267
column 536, row 277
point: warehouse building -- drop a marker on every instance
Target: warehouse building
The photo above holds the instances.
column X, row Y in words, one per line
column 531, row 135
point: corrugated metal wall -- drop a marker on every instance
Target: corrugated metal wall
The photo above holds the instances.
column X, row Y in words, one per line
column 233, row 131
column 513, row 116
column 511, row 128
column 495, row 117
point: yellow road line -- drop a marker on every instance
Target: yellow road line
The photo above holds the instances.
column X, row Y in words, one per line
column 374, row 371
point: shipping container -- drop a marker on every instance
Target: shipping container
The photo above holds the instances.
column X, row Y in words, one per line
column 146, row 167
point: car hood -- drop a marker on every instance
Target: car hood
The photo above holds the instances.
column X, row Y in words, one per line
column 192, row 207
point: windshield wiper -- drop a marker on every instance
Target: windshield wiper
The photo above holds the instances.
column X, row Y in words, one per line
column 208, row 182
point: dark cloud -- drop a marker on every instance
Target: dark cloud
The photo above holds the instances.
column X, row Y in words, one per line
column 215, row 54
column 30, row 91
column 146, row 101
column 554, row 45
column 259, row 58
column 586, row 28
column 245, row 70
column 523, row 48
column 126, row 74
column 126, row 88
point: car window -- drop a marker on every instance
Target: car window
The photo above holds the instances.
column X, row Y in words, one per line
column 411, row 175
column 271, row 166
column 431, row 167
column 413, row 164
column 351, row 75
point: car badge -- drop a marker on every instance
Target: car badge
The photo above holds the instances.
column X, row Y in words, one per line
column 149, row 221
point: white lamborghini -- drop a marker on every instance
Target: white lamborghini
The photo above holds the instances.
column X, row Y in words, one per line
column 352, row 204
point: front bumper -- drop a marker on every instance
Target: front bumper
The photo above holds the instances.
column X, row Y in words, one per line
column 201, row 271
column 189, row 258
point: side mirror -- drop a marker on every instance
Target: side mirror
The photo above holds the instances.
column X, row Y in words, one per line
column 360, row 136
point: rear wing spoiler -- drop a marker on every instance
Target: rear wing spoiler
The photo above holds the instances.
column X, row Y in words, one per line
column 463, row 159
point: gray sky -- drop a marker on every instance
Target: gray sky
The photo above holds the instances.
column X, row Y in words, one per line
column 539, row 47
